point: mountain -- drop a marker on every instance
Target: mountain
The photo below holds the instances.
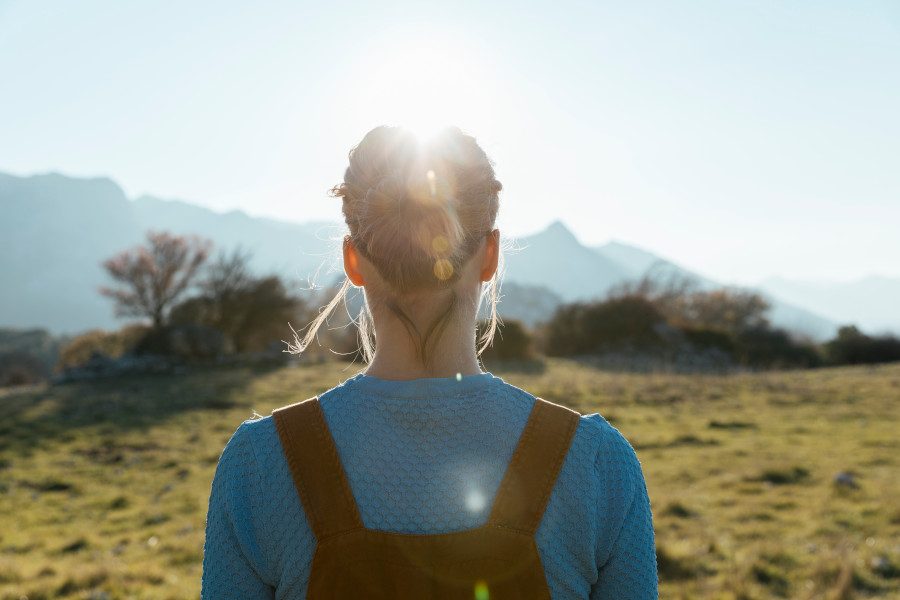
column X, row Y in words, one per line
column 555, row 259
column 298, row 249
column 57, row 230
column 530, row 304
column 637, row 263
column 873, row 303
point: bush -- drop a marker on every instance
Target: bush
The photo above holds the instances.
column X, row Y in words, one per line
column 189, row 342
column 38, row 343
column 759, row 346
column 852, row 347
column 701, row 339
column 512, row 341
column 627, row 322
column 684, row 305
column 21, row 368
column 773, row 348
column 251, row 312
column 733, row 331
column 726, row 310
column 111, row 344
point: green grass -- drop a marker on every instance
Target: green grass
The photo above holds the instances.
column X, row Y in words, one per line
column 104, row 486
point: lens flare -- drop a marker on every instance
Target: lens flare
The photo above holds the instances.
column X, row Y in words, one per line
column 432, row 182
column 475, row 501
column 481, row 590
column 443, row 269
column 440, row 244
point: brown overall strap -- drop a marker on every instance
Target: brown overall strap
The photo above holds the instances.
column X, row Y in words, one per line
column 316, row 468
column 534, row 466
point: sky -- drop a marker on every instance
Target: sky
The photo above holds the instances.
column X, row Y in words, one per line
column 741, row 139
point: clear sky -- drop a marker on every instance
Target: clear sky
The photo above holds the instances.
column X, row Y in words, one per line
column 743, row 139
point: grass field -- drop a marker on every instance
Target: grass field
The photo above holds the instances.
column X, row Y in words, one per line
column 104, row 485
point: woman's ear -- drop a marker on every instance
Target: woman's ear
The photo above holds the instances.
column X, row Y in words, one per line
column 351, row 263
column 491, row 255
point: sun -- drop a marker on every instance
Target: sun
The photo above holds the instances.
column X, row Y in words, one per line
column 425, row 126
column 424, row 83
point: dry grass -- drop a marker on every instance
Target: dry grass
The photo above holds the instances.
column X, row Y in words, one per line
column 103, row 486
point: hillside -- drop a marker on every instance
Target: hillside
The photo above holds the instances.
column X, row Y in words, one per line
column 555, row 259
column 104, row 486
column 57, row 230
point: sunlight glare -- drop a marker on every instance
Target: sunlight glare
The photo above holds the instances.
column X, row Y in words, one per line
column 424, row 83
column 475, row 501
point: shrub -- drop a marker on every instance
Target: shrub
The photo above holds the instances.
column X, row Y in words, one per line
column 852, row 347
column 702, row 338
column 38, row 343
column 511, row 342
column 773, row 348
column 627, row 322
column 727, row 324
column 726, row 310
column 112, row 344
column 251, row 312
column 686, row 306
column 21, row 368
column 190, row 342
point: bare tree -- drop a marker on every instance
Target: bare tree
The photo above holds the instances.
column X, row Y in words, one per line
column 683, row 302
column 227, row 275
column 153, row 276
column 662, row 287
column 731, row 310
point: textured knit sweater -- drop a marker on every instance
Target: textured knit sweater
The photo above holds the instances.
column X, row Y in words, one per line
column 426, row 456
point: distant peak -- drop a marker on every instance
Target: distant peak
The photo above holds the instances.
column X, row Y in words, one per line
column 57, row 177
column 558, row 225
column 558, row 230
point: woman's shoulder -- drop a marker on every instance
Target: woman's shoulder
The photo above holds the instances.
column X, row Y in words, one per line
column 597, row 444
column 614, row 451
column 606, row 438
column 252, row 444
column 260, row 429
column 600, row 453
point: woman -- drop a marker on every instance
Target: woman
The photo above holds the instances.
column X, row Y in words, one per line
column 424, row 476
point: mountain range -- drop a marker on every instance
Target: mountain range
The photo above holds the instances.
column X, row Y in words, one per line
column 56, row 231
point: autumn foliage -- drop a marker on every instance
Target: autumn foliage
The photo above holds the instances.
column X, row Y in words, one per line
column 152, row 277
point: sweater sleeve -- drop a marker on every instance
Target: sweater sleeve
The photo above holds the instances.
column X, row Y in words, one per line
column 233, row 562
column 630, row 572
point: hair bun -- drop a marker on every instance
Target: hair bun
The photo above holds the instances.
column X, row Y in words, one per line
column 388, row 194
column 416, row 209
column 403, row 217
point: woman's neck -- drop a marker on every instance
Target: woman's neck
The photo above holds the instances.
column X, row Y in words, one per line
column 451, row 352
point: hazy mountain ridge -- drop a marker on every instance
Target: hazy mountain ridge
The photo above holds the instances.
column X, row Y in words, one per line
column 555, row 259
column 53, row 244
column 789, row 315
column 56, row 230
column 875, row 300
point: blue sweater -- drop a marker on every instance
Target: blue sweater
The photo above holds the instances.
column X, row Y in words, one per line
column 426, row 456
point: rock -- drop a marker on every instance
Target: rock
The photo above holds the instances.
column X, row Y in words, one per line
column 846, row 479
column 883, row 567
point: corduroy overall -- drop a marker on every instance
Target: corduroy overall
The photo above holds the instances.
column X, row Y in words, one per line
column 498, row 560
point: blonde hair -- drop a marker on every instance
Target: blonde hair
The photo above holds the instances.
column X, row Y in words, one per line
column 417, row 210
